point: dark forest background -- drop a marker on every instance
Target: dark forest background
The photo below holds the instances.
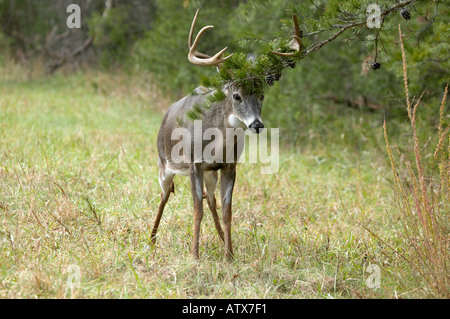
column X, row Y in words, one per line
column 151, row 36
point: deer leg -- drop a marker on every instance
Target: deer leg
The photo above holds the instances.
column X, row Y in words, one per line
column 227, row 178
column 197, row 194
column 167, row 186
column 210, row 185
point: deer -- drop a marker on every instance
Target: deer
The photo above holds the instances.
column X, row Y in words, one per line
column 238, row 110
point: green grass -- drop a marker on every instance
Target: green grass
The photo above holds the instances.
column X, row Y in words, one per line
column 78, row 188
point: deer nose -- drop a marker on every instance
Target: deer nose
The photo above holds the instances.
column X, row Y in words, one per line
column 256, row 127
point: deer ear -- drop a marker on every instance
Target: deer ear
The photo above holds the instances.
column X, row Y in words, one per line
column 251, row 58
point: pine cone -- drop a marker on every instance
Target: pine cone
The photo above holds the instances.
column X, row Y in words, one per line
column 405, row 14
column 375, row 65
column 270, row 79
column 277, row 76
column 290, row 63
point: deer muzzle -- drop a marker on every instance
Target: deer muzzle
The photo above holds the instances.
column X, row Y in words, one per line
column 256, row 127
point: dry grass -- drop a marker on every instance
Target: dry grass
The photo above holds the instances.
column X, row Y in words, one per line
column 79, row 190
column 423, row 202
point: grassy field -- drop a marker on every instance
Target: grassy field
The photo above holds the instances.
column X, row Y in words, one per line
column 79, row 191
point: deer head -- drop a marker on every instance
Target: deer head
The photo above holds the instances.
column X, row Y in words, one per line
column 246, row 106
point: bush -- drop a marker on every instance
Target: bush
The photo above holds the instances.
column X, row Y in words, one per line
column 424, row 201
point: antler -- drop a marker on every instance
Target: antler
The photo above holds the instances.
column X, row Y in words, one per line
column 199, row 58
column 296, row 42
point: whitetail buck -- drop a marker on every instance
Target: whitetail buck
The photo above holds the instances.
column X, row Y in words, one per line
column 236, row 110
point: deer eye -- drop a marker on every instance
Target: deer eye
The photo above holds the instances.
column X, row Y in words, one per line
column 237, row 97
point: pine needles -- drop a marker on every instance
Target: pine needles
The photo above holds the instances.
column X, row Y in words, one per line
column 253, row 74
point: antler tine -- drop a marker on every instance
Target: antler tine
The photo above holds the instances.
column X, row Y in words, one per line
column 191, row 32
column 199, row 58
column 296, row 42
column 296, row 26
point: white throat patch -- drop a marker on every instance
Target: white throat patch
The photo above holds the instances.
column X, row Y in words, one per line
column 235, row 122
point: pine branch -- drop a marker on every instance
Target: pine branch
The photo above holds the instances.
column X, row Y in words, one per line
column 429, row 24
column 268, row 67
column 355, row 24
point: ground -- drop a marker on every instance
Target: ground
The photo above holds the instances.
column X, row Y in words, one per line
column 79, row 192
